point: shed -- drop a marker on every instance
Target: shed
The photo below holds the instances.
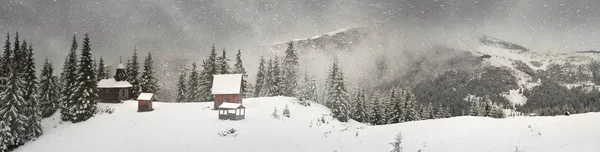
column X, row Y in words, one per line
column 227, row 88
column 145, row 102
column 232, row 111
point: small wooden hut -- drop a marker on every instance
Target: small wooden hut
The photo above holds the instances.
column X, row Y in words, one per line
column 232, row 111
column 227, row 88
column 145, row 102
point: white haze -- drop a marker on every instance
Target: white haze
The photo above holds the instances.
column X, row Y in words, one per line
column 179, row 32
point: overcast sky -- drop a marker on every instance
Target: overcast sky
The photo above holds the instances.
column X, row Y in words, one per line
column 191, row 26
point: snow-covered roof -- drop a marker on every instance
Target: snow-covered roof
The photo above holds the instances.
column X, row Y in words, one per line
column 120, row 66
column 145, row 96
column 227, row 84
column 228, row 105
column 112, row 83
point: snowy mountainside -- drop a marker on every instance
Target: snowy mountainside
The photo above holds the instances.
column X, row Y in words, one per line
column 571, row 68
column 194, row 127
column 343, row 39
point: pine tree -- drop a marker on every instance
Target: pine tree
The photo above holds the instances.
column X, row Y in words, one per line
column 239, row 69
column 13, row 111
column 69, row 82
column 47, row 91
column 429, row 112
column 290, row 71
column 6, row 138
column 397, row 113
column 377, row 115
column 194, row 94
column 4, row 63
column 267, row 87
column 497, row 112
column 337, row 96
column 30, row 93
column 361, row 113
column 133, row 74
column 223, row 66
column 182, row 88
column 286, row 111
column 410, row 108
column 205, row 84
column 441, row 112
column 473, row 108
column 211, row 67
column 16, row 52
column 149, row 83
column 307, row 90
column 487, row 111
column 260, row 78
column 86, row 94
column 276, row 84
column 101, row 73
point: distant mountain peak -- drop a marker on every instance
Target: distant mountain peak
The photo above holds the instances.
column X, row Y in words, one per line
column 498, row 43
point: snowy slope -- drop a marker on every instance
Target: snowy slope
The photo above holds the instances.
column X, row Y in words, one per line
column 194, row 127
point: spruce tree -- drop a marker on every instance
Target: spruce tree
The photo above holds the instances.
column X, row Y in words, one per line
column 6, row 138
column 397, row 102
column 193, row 94
column 47, row 91
column 149, row 83
column 69, row 82
column 290, row 71
column 411, row 107
column 487, row 111
column 239, row 69
column 337, row 96
column 442, row 112
column 16, row 52
column 276, row 84
column 360, row 113
column 4, row 63
column 286, row 111
column 377, row 115
column 31, row 93
column 205, row 84
column 13, row 111
column 86, row 94
column 307, row 90
column 269, row 80
column 223, row 66
column 430, row 112
column 210, row 69
column 101, row 73
column 260, row 78
column 182, row 88
column 473, row 106
column 133, row 74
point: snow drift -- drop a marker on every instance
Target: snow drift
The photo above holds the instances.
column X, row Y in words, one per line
column 194, row 127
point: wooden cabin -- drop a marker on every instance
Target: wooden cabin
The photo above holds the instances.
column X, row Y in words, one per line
column 145, row 102
column 227, row 88
column 115, row 90
column 232, row 111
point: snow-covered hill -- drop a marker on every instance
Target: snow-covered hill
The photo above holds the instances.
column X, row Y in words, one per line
column 194, row 127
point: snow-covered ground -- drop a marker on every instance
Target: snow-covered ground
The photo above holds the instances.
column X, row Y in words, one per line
column 194, row 127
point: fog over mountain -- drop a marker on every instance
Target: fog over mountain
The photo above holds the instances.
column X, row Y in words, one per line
column 183, row 31
column 191, row 26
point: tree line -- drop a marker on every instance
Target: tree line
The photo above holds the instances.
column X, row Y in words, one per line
column 26, row 98
column 195, row 85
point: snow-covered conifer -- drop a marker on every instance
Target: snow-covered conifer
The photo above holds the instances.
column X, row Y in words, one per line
column 149, row 83
column 47, row 91
column 86, row 94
